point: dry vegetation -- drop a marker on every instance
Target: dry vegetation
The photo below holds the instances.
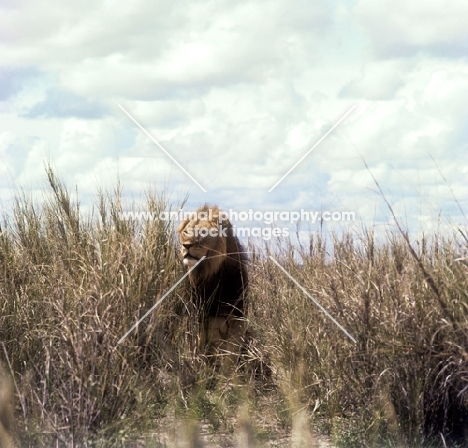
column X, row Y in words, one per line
column 71, row 286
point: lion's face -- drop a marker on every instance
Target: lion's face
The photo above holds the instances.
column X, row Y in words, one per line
column 204, row 235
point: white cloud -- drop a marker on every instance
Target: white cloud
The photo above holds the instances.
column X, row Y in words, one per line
column 237, row 92
column 65, row 104
column 405, row 28
column 379, row 80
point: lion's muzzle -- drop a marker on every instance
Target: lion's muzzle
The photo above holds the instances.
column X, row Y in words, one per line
column 189, row 261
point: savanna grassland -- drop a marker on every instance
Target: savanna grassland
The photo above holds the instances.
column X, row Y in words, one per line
column 72, row 284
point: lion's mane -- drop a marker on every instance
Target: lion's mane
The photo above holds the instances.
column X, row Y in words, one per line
column 221, row 279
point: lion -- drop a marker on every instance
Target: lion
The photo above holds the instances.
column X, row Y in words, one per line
column 220, row 281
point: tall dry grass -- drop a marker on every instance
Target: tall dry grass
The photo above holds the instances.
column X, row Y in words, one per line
column 405, row 381
column 7, row 422
column 71, row 285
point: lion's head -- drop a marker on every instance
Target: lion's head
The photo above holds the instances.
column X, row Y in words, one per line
column 204, row 234
column 222, row 275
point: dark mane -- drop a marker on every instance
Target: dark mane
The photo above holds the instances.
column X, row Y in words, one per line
column 222, row 294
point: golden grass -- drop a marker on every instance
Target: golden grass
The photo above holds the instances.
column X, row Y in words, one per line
column 7, row 425
column 71, row 286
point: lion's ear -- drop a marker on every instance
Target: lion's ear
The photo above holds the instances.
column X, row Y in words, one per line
column 182, row 225
column 224, row 222
column 220, row 218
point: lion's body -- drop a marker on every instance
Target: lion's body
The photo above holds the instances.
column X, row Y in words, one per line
column 220, row 280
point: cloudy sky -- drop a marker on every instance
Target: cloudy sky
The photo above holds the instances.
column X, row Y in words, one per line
column 237, row 92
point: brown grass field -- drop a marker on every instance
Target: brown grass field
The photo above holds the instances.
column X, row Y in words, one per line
column 71, row 286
